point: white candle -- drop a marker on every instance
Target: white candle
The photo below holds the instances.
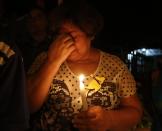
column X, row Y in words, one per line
column 83, row 93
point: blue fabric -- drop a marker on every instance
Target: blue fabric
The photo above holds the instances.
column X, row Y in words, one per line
column 157, row 100
column 157, row 96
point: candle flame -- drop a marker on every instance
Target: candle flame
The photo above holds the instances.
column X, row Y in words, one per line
column 81, row 78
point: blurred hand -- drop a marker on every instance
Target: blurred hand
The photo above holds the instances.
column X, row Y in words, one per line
column 94, row 119
column 61, row 48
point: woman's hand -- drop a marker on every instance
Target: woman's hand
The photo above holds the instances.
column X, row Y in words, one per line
column 94, row 119
column 61, row 48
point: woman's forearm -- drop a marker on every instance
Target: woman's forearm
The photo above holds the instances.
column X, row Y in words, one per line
column 128, row 115
column 39, row 84
column 124, row 119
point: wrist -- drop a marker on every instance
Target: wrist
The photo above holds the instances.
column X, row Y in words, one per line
column 111, row 124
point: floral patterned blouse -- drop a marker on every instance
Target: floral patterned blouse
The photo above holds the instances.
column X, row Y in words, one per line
column 110, row 82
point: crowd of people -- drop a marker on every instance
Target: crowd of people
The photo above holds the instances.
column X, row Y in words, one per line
column 39, row 72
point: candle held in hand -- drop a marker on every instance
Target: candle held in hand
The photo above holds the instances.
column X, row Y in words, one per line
column 83, row 93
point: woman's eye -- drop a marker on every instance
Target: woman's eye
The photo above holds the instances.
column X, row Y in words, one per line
column 74, row 36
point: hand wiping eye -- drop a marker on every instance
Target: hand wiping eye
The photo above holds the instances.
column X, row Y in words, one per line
column 69, row 38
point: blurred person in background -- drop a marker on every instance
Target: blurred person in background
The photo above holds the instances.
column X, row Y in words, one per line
column 156, row 78
column 14, row 115
column 35, row 37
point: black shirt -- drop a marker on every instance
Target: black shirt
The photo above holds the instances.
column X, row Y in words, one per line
column 14, row 115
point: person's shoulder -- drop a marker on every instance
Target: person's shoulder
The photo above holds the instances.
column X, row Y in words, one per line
column 8, row 40
column 7, row 50
column 111, row 57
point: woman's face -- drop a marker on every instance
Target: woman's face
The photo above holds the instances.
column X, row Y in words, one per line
column 81, row 41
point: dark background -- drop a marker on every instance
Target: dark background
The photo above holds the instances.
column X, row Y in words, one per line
column 131, row 23
column 128, row 24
